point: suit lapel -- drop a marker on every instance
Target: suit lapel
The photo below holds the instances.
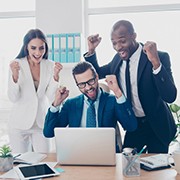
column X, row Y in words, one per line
column 102, row 102
column 79, row 110
column 142, row 63
column 116, row 69
column 28, row 74
column 118, row 62
column 43, row 75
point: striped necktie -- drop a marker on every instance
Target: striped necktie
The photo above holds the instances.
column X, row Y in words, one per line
column 91, row 115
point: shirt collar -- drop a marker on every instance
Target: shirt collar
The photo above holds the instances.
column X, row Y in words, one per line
column 136, row 54
column 97, row 99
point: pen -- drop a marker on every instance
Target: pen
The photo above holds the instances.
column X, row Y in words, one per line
column 16, row 156
column 133, row 161
column 142, row 150
column 22, row 162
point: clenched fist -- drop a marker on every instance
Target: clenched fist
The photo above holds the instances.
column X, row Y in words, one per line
column 61, row 94
column 14, row 65
column 113, row 85
column 57, row 68
column 151, row 50
column 93, row 42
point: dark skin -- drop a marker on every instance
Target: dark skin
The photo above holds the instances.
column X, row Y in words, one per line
column 125, row 45
column 123, row 42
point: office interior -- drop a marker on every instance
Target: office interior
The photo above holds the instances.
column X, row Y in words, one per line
column 156, row 20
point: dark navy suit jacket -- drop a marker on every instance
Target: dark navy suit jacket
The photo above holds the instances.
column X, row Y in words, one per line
column 109, row 112
column 154, row 91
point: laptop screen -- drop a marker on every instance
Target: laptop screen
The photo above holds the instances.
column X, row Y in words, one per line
column 85, row 146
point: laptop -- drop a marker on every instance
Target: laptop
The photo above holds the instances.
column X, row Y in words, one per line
column 85, row 146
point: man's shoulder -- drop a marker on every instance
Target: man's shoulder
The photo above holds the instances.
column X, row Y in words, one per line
column 162, row 53
column 75, row 99
column 107, row 95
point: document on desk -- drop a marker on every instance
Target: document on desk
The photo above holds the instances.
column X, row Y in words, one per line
column 155, row 162
column 29, row 158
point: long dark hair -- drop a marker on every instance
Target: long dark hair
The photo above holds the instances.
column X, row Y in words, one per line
column 32, row 34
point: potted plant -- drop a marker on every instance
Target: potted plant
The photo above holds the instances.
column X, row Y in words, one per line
column 6, row 158
column 175, row 109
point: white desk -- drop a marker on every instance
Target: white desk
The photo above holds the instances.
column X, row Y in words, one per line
column 108, row 172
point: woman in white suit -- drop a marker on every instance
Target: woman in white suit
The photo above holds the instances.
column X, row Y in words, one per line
column 33, row 80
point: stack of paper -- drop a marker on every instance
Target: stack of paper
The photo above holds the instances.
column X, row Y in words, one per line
column 29, row 158
column 155, row 162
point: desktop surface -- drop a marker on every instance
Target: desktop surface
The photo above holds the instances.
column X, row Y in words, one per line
column 107, row 173
column 110, row 172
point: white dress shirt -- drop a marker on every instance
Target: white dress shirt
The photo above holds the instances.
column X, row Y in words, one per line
column 133, row 65
column 120, row 100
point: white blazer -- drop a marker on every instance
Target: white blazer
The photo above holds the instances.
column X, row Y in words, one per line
column 31, row 105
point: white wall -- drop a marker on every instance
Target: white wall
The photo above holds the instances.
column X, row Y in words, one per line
column 62, row 16
column 67, row 80
column 59, row 16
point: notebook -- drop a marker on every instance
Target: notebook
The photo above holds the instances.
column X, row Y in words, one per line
column 155, row 162
column 29, row 158
column 85, row 146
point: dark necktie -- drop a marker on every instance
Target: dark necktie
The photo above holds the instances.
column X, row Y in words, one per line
column 91, row 115
column 128, row 81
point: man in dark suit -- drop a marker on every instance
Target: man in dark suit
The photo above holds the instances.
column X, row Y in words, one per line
column 151, row 86
column 108, row 108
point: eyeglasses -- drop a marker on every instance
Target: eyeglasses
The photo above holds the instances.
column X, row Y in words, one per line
column 89, row 82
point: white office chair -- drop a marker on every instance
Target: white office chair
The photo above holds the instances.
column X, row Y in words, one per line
column 118, row 132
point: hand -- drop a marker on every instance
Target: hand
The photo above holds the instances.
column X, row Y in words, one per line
column 93, row 42
column 14, row 65
column 151, row 50
column 57, row 68
column 61, row 94
column 113, row 85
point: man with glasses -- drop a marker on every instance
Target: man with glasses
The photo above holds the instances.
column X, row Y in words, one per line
column 74, row 112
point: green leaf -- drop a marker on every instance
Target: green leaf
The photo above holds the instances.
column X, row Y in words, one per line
column 174, row 108
column 5, row 151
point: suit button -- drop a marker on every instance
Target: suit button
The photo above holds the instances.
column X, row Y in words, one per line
column 162, row 79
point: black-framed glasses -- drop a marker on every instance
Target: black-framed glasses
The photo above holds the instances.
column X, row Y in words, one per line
column 90, row 82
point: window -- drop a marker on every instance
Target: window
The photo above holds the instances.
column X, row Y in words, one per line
column 17, row 5
column 159, row 26
column 120, row 3
column 16, row 18
column 11, row 36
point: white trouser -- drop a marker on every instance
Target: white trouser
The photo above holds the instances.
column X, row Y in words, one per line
column 22, row 141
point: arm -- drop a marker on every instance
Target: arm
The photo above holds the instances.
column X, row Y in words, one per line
column 54, row 70
column 163, row 79
column 58, row 118
column 125, row 116
column 103, row 70
column 93, row 41
column 123, row 110
column 14, row 92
